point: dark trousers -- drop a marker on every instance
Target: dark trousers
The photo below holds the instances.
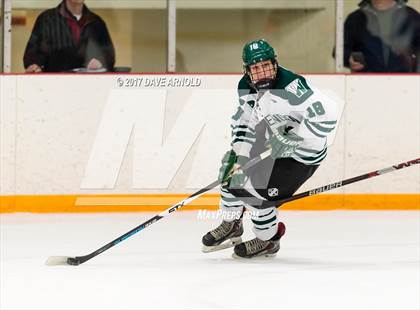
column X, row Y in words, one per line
column 273, row 180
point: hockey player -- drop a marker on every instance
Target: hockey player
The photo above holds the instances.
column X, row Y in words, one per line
column 280, row 110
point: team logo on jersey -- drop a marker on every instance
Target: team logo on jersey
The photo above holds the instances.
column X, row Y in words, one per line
column 297, row 88
column 273, row 192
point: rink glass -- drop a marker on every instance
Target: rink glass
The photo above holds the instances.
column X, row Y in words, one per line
column 137, row 29
column 209, row 34
column 302, row 33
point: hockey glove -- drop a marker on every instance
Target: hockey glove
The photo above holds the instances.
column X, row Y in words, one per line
column 230, row 172
column 283, row 143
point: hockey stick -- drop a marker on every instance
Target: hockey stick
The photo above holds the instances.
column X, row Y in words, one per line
column 64, row 260
column 335, row 185
column 75, row 261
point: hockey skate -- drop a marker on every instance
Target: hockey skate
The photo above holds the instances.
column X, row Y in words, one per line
column 226, row 235
column 260, row 248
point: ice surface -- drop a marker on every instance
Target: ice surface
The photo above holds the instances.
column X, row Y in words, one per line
column 328, row 260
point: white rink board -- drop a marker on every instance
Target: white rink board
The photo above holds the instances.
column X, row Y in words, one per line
column 393, row 135
column 68, row 134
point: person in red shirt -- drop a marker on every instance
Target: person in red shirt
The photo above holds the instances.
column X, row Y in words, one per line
column 67, row 37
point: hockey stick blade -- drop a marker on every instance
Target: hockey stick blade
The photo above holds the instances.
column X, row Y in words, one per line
column 62, row 260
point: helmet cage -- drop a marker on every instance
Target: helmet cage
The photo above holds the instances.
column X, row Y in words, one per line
column 255, row 52
column 269, row 74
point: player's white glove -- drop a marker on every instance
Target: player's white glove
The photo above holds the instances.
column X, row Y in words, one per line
column 283, row 143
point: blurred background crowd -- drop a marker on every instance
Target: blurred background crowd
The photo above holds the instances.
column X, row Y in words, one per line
column 132, row 35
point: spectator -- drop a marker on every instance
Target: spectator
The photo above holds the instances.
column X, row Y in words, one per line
column 382, row 36
column 67, row 37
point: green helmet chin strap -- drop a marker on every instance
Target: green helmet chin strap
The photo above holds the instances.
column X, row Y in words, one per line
column 257, row 51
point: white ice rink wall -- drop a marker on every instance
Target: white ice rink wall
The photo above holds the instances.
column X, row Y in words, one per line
column 83, row 142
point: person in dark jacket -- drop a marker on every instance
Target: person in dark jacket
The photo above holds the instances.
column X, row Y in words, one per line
column 67, row 37
column 382, row 36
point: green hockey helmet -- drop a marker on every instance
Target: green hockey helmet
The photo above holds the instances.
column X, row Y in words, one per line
column 261, row 76
column 256, row 51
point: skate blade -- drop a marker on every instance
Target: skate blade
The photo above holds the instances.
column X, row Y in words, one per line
column 227, row 244
column 258, row 257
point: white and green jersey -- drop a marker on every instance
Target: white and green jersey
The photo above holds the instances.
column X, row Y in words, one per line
column 292, row 102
